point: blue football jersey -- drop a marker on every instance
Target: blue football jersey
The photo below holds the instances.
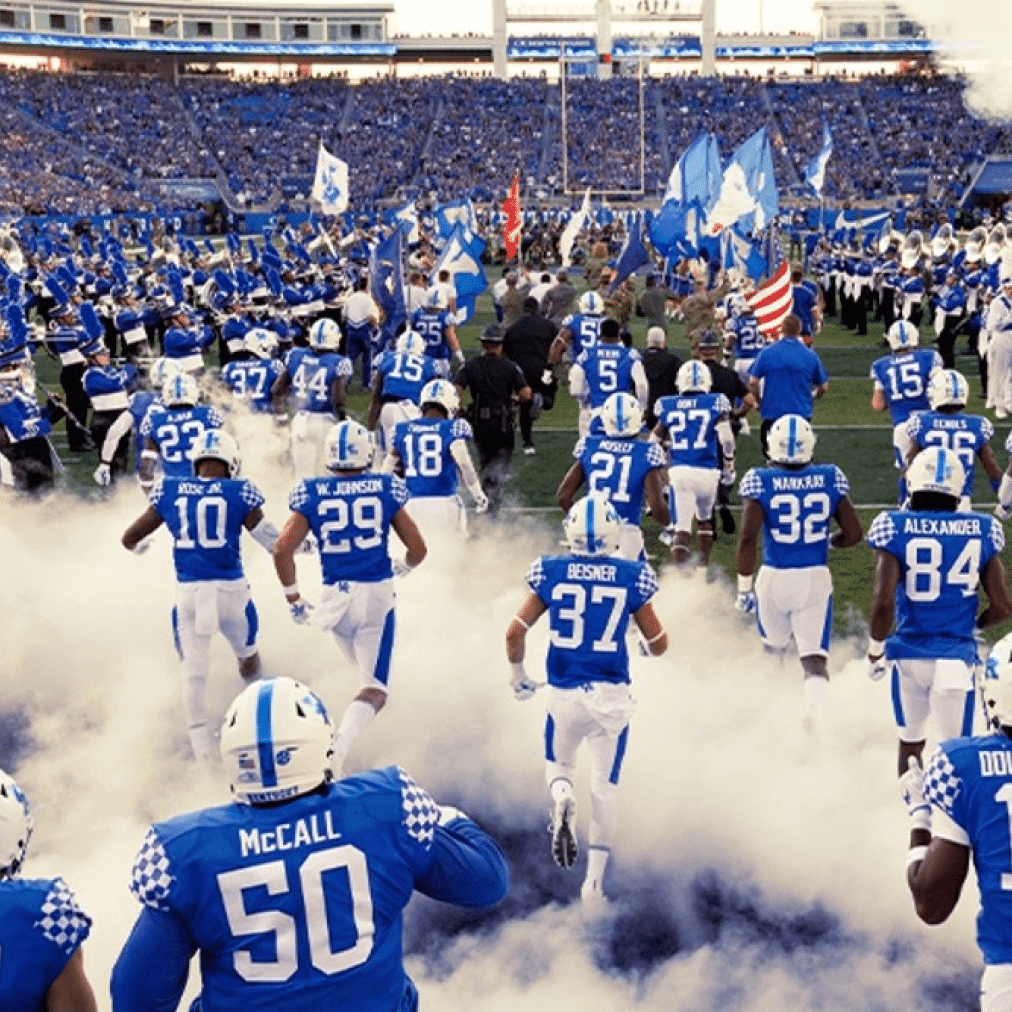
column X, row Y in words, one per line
column 608, row 370
column 403, row 375
column 175, row 430
column 205, row 517
column 618, row 468
column 250, row 380
column 299, row 906
column 586, row 329
column 748, row 338
column 970, row 780
column 589, row 601
column 433, row 325
column 350, row 518
column 965, row 435
column 941, row 556
column 691, row 422
column 313, row 375
column 41, row 927
column 423, row 445
column 797, row 508
column 904, row 378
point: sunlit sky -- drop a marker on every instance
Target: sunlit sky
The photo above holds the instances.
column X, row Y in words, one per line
column 462, row 16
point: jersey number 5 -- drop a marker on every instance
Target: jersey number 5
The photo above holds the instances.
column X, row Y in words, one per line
column 315, row 919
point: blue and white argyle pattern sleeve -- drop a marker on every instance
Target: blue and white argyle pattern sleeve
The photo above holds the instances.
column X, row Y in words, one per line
column 151, row 879
column 61, row 920
column 420, row 812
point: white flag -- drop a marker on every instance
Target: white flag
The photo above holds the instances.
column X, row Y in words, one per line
column 330, row 187
column 574, row 225
column 734, row 201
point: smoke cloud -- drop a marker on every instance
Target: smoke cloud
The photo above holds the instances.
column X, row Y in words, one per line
column 757, row 866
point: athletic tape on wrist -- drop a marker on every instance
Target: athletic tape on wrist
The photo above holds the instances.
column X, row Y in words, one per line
column 916, row 854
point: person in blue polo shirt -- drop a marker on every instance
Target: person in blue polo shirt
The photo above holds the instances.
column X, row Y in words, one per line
column 787, row 377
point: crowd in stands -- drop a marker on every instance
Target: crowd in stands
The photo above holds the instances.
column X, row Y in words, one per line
column 108, row 138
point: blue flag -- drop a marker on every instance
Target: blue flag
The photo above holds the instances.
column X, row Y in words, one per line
column 634, row 254
column 456, row 212
column 406, row 219
column 696, row 175
column 815, row 174
column 461, row 256
column 386, row 279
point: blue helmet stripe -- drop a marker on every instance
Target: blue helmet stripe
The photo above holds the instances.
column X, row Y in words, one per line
column 342, row 444
column 940, row 467
column 619, row 420
column 591, row 532
column 792, row 437
column 265, row 735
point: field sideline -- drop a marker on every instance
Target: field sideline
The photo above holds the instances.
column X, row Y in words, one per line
column 850, row 435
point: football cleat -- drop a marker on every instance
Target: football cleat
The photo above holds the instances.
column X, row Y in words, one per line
column 564, row 848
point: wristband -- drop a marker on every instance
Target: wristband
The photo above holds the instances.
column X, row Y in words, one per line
column 291, row 590
column 520, row 621
column 744, row 584
column 660, row 635
column 519, row 671
column 876, row 648
column 916, row 854
column 995, row 485
column 149, row 454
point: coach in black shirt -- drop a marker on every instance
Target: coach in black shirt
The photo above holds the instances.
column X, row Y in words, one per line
column 527, row 343
column 725, row 381
column 661, row 368
column 493, row 380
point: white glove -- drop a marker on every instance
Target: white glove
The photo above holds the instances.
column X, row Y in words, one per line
column 401, row 567
column 480, row 503
column 523, row 687
column 746, row 602
column 103, row 475
column 301, row 611
column 458, row 356
column 546, row 377
column 727, row 475
column 667, row 536
column 307, row 546
column 141, row 547
column 1002, row 512
column 877, row 667
column 912, row 791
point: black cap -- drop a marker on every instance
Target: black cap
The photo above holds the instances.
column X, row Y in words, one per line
column 708, row 339
column 491, row 334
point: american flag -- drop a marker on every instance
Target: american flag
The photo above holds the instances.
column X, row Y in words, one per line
column 514, row 221
column 772, row 302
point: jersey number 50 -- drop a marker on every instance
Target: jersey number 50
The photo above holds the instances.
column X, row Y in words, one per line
column 273, row 876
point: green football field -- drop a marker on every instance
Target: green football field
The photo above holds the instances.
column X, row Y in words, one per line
column 850, row 435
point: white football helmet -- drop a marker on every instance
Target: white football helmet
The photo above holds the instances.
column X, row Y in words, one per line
column 348, row 446
column 324, row 335
column 261, row 342
column 948, row 388
column 739, row 304
column 902, row 334
column 936, row 470
column 997, row 687
column 180, row 389
column 441, row 392
column 276, row 742
column 694, row 377
column 215, row 444
column 622, row 415
column 791, row 440
column 15, row 826
column 435, row 300
column 411, row 343
column 591, row 304
column 160, row 370
column 592, row 526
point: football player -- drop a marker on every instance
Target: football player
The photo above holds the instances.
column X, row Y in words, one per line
column 605, row 368
column 624, row 469
column 429, row 453
column 206, row 513
column 968, row 436
column 318, row 377
column 42, row 929
column 439, row 332
column 590, row 595
column 929, row 563
column 251, row 372
column 958, row 807
column 171, row 429
column 695, row 425
column 398, row 379
column 578, row 332
column 901, row 386
column 351, row 513
column 744, row 339
column 294, row 893
column 792, row 503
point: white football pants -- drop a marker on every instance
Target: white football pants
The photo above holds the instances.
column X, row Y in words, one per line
column 360, row 616
column 309, row 429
